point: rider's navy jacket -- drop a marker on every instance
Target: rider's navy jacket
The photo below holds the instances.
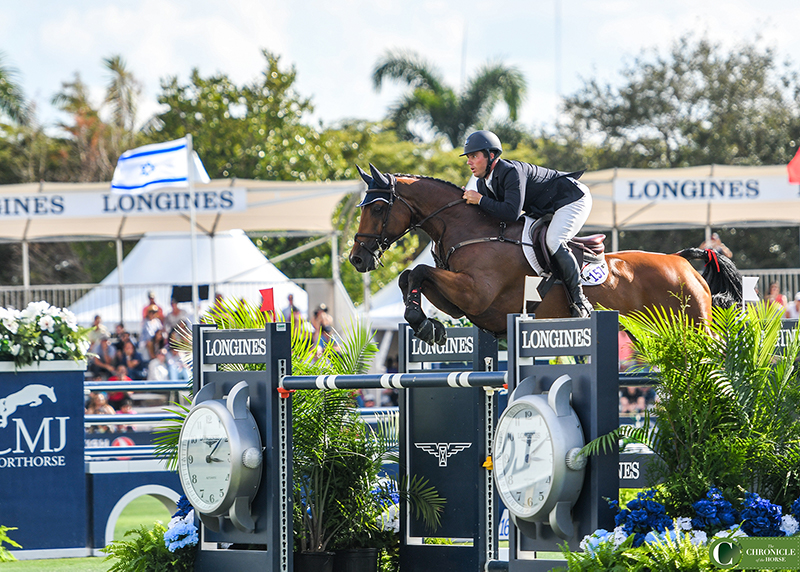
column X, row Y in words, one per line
column 524, row 188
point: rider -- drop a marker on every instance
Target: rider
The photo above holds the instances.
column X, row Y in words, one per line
column 507, row 189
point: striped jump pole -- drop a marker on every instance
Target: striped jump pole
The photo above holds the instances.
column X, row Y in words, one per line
column 492, row 379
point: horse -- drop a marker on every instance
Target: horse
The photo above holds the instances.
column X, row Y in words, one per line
column 481, row 267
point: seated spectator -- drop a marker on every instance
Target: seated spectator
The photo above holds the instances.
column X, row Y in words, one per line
column 115, row 398
column 98, row 330
column 122, row 336
column 175, row 317
column 157, row 343
column 126, row 408
column 98, row 405
column 104, row 360
column 775, row 297
column 149, row 327
column 151, row 302
column 157, row 369
column 178, row 371
column 793, row 308
column 135, row 366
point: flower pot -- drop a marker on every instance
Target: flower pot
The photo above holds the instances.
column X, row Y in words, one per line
column 313, row 561
column 356, row 560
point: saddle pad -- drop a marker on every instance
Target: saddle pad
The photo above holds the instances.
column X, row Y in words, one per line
column 593, row 272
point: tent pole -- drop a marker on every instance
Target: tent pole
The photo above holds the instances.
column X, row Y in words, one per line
column 121, row 280
column 192, row 221
column 335, row 270
column 26, row 273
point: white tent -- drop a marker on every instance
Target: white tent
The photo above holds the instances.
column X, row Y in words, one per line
column 229, row 263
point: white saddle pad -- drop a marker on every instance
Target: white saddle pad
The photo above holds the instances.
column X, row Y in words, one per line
column 593, row 273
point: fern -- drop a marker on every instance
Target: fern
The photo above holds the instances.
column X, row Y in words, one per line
column 145, row 551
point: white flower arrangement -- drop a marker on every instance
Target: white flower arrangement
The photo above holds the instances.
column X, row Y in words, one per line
column 41, row 332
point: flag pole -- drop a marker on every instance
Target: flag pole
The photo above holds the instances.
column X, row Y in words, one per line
column 192, row 221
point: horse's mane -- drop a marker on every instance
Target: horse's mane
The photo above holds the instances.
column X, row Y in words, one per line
column 434, row 179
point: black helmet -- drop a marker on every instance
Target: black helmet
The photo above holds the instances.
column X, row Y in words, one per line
column 482, row 141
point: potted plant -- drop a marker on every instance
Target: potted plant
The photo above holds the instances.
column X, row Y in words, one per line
column 343, row 501
column 41, row 333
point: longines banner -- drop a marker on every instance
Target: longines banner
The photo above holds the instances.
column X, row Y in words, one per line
column 646, row 190
column 84, row 205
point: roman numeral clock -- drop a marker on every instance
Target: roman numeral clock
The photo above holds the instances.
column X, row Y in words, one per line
column 220, row 457
column 537, row 469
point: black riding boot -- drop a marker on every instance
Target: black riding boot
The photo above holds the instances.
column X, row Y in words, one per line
column 580, row 307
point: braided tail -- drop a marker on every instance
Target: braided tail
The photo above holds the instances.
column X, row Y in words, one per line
column 721, row 275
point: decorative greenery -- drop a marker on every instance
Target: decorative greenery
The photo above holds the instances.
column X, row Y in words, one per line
column 146, row 551
column 41, row 332
column 338, row 495
column 646, row 539
column 5, row 555
column 726, row 413
column 726, row 435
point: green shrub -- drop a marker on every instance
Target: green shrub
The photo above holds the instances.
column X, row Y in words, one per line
column 5, row 555
column 146, row 552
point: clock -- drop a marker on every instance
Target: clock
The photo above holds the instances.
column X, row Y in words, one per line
column 537, row 469
column 220, row 457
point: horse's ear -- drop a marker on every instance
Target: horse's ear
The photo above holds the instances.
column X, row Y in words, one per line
column 367, row 179
column 383, row 180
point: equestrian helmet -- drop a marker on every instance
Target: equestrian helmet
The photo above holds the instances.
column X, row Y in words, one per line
column 482, row 141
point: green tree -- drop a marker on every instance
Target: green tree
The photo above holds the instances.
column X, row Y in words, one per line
column 12, row 100
column 438, row 106
column 253, row 131
column 88, row 159
column 696, row 105
column 122, row 95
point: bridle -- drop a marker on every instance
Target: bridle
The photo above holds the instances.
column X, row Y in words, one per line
column 390, row 196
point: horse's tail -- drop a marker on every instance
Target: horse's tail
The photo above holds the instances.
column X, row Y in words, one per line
column 724, row 280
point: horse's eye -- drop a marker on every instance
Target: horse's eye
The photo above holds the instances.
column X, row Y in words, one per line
column 377, row 208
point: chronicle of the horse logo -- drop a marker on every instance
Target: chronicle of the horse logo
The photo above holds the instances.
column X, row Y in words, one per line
column 442, row 450
column 30, row 395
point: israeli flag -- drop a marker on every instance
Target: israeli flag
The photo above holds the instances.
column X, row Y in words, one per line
column 159, row 165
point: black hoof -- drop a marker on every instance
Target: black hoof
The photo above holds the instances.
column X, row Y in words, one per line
column 439, row 333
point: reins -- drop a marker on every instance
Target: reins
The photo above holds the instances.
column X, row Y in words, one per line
column 384, row 242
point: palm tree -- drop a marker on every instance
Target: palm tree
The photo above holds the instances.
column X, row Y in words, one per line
column 122, row 93
column 89, row 132
column 445, row 111
column 12, row 101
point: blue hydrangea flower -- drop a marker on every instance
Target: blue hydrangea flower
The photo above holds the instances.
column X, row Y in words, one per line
column 760, row 517
column 180, row 535
column 641, row 516
column 184, row 506
column 713, row 512
column 796, row 509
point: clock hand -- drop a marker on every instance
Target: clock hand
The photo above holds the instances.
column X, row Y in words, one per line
column 209, row 458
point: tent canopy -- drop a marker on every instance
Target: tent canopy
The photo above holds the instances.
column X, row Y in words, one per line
column 231, row 264
column 733, row 209
column 36, row 211
column 89, row 211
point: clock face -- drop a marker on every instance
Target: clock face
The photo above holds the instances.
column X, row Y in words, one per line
column 523, row 459
column 205, row 459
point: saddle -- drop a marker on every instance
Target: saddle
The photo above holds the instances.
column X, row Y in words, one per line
column 587, row 249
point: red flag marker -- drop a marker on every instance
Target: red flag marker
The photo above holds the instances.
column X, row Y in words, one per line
column 794, row 168
column 267, row 300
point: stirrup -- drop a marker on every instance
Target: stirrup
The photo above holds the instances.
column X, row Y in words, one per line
column 581, row 309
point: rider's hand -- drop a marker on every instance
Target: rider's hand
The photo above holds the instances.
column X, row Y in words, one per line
column 472, row 197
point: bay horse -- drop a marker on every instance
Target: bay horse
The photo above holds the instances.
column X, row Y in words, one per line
column 484, row 279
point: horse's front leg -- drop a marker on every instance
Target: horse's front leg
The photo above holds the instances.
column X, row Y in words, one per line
column 442, row 288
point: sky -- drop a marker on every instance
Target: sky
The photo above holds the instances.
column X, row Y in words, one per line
column 335, row 44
